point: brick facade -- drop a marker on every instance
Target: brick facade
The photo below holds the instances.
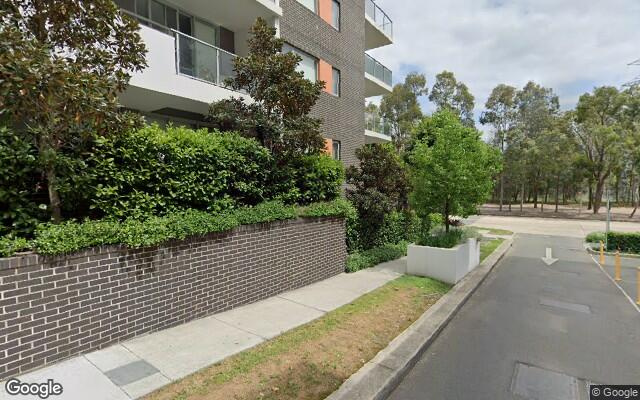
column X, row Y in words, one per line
column 53, row 308
column 343, row 116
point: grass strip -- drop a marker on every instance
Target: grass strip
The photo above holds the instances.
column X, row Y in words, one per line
column 313, row 360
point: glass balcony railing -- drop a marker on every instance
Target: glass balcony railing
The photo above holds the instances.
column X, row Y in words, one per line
column 378, row 16
column 373, row 67
column 202, row 60
column 195, row 58
column 375, row 123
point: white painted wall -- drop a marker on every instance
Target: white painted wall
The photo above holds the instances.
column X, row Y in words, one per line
column 159, row 85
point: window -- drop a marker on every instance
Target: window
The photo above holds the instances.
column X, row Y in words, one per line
column 310, row 4
column 336, row 150
column 336, row 81
column 309, row 64
column 335, row 17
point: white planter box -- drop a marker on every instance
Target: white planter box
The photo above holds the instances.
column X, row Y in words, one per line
column 447, row 265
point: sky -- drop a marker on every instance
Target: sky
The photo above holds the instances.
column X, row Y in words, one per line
column 571, row 46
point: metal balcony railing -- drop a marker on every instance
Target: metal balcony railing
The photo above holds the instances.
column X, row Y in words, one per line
column 380, row 18
column 375, row 123
column 375, row 68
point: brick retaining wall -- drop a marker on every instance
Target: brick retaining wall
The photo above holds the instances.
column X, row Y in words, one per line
column 53, row 308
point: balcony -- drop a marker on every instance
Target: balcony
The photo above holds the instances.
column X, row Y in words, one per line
column 378, row 26
column 378, row 78
column 376, row 130
column 183, row 73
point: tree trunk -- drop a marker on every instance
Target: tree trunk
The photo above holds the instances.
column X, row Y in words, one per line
column 590, row 197
column 54, row 196
column 501, row 189
column 446, row 216
column 597, row 199
column 635, row 202
column 522, row 197
column 558, row 192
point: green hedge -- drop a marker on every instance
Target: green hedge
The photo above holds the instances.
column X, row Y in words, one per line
column 72, row 236
column 623, row 241
column 372, row 257
column 154, row 171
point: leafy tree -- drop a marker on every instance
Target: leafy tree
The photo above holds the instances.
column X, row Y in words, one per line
column 282, row 97
column 600, row 133
column 378, row 186
column 501, row 114
column 537, row 111
column 62, row 65
column 451, row 172
column 401, row 109
column 449, row 94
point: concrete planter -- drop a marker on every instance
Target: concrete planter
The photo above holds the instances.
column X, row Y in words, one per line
column 447, row 265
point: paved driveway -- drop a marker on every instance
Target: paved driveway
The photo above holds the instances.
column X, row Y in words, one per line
column 532, row 331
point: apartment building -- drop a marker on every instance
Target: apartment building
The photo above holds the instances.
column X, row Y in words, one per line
column 191, row 45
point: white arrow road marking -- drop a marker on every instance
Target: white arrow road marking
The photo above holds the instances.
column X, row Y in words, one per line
column 548, row 258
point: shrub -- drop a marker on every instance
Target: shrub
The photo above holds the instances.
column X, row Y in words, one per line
column 369, row 258
column 10, row 245
column 307, row 179
column 380, row 186
column 337, row 208
column 443, row 239
column 595, row 237
column 626, row 242
column 20, row 209
column 153, row 171
column 399, row 226
column 71, row 236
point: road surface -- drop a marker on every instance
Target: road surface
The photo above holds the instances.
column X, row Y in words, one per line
column 533, row 331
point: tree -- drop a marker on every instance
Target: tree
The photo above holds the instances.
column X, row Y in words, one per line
column 452, row 169
column 600, row 133
column 282, row 98
column 401, row 109
column 378, row 186
column 62, row 65
column 449, row 94
column 501, row 114
column 537, row 110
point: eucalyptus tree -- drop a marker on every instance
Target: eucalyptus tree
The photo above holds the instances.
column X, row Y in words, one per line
column 501, row 115
column 450, row 94
column 601, row 133
column 401, row 109
column 537, row 110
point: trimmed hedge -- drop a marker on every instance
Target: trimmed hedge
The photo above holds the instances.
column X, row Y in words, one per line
column 372, row 257
column 73, row 236
column 155, row 171
column 626, row 242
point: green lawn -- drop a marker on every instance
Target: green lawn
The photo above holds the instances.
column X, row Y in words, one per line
column 493, row 231
column 486, row 248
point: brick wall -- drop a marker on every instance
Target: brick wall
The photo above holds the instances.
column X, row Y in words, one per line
column 52, row 308
column 343, row 117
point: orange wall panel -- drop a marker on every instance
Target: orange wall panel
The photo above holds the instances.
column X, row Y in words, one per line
column 325, row 73
column 325, row 11
column 328, row 146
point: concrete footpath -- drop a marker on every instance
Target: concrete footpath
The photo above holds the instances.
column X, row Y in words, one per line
column 139, row 366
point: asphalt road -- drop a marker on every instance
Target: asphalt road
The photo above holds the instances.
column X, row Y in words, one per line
column 533, row 332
